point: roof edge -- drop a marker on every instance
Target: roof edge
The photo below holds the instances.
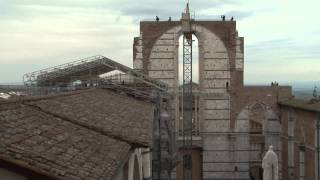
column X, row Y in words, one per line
column 303, row 106
column 62, row 94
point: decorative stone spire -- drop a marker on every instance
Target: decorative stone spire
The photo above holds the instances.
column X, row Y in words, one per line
column 187, row 9
column 186, row 22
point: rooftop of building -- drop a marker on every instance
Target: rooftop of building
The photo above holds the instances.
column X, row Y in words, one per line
column 85, row 134
column 309, row 105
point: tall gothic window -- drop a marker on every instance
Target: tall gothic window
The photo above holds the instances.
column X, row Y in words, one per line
column 195, row 59
column 195, row 81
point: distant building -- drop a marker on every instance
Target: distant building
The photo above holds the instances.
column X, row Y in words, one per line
column 300, row 122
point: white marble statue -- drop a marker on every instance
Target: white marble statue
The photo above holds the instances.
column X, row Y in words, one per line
column 270, row 165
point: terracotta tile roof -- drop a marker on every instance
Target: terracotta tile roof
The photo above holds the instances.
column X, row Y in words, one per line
column 309, row 105
column 105, row 111
column 84, row 135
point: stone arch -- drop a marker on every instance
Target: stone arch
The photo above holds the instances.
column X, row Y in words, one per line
column 212, row 56
column 242, row 120
column 257, row 112
column 257, row 117
column 195, row 60
column 262, row 113
column 273, row 121
column 209, row 45
column 257, row 139
column 270, row 132
column 258, row 107
column 257, row 143
column 135, row 166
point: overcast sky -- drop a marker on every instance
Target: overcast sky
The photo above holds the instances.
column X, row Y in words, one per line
column 282, row 37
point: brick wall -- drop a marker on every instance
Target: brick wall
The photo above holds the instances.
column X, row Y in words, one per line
column 304, row 134
column 222, row 93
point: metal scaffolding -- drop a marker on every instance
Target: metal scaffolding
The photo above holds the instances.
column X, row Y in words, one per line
column 187, row 96
column 139, row 85
column 59, row 78
column 84, row 70
column 187, row 107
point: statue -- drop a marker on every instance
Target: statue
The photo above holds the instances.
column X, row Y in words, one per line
column 270, row 165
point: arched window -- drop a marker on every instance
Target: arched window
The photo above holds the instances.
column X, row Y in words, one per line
column 195, row 59
column 257, row 116
column 195, row 86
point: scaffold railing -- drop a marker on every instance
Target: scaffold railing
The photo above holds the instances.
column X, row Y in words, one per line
column 56, row 73
column 132, row 88
column 50, row 72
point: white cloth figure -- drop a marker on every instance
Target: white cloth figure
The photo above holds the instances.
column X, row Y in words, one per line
column 270, row 165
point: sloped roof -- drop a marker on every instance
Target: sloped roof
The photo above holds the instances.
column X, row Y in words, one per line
column 105, row 111
column 311, row 105
column 82, row 135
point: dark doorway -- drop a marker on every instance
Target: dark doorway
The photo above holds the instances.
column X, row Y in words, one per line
column 256, row 173
column 196, row 165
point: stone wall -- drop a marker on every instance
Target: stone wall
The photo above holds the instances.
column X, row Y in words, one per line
column 299, row 135
column 224, row 103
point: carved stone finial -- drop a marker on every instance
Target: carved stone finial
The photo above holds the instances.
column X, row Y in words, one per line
column 186, row 20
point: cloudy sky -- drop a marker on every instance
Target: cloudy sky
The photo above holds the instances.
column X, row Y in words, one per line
column 282, row 37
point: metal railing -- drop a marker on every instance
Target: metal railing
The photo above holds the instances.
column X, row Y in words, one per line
column 67, row 69
column 48, row 73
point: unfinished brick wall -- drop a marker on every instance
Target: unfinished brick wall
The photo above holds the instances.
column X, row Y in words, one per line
column 224, row 102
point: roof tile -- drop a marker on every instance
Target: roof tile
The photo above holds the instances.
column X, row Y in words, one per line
column 108, row 112
column 62, row 150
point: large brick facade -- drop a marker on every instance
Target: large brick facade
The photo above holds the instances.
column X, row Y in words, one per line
column 231, row 137
column 300, row 139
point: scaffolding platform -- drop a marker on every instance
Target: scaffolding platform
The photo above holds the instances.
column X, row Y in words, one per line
column 84, row 70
